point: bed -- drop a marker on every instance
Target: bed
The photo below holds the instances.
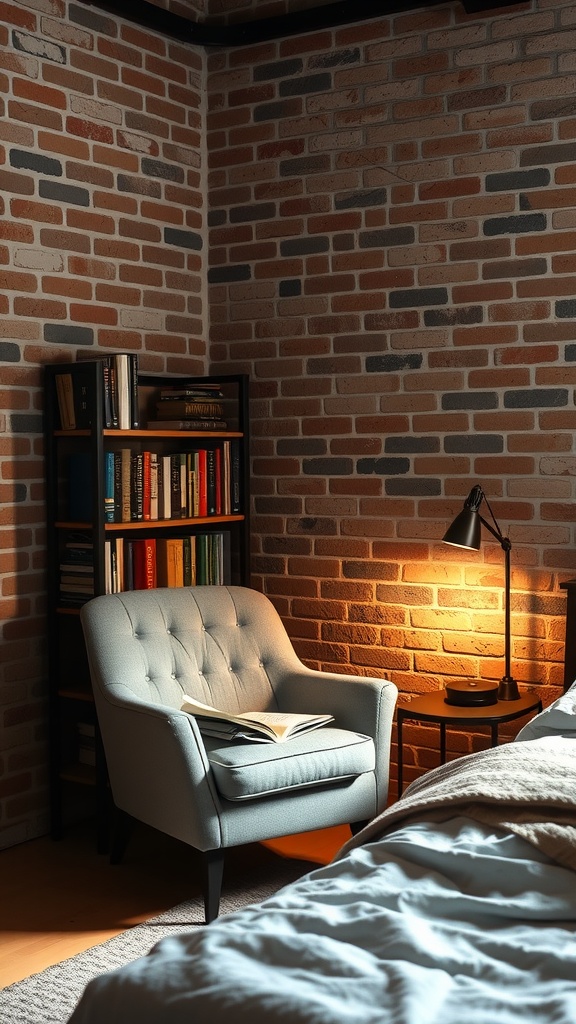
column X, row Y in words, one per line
column 457, row 905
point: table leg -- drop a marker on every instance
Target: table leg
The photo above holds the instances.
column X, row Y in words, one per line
column 442, row 742
column 494, row 733
column 400, row 759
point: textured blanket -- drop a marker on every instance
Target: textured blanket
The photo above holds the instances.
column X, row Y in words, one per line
column 528, row 789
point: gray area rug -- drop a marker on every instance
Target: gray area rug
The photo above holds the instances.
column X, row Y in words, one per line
column 51, row 996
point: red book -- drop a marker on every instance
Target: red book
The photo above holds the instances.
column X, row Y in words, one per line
column 144, row 558
column 202, row 483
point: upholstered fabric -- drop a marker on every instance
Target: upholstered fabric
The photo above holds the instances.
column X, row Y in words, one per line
column 244, row 771
column 227, row 646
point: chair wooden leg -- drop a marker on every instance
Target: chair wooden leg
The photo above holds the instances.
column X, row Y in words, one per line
column 121, row 829
column 357, row 826
column 213, row 871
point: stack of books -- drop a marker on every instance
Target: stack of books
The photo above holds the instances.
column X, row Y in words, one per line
column 77, row 569
column 193, row 407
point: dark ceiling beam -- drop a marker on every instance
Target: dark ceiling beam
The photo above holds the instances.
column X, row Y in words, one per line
column 342, row 12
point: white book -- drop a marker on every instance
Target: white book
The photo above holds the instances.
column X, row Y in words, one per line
column 256, row 726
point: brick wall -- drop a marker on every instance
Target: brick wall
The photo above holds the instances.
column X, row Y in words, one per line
column 102, row 180
column 392, row 260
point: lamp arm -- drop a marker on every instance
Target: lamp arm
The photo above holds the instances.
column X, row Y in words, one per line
column 506, row 545
column 504, row 542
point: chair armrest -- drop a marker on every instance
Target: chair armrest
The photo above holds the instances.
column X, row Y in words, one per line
column 359, row 703
column 156, row 759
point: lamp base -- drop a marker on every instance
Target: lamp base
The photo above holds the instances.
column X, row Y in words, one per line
column 508, row 689
column 471, row 693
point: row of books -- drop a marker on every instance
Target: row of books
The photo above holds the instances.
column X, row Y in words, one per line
column 196, row 560
column 146, row 485
column 121, row 408
column 144, row 563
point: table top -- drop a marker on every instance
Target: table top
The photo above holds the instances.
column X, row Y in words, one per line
column 433, row 707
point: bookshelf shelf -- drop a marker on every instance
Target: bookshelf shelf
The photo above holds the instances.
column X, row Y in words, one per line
column 102, row 538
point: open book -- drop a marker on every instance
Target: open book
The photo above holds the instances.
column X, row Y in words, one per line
column 257, row 726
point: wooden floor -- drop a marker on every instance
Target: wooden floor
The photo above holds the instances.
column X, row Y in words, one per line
column 59, row 898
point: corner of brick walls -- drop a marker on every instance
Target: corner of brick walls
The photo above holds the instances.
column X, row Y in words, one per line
column 102, row 248
column 392, row 260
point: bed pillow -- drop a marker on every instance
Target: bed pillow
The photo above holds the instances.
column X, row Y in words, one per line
column 559, row 719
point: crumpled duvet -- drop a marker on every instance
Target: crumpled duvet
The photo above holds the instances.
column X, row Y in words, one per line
column 449, row 919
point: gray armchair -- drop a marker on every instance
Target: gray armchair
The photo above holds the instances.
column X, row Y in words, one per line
column 227, row 647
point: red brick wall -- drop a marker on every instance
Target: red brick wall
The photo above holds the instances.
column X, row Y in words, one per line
column 392, row 262
column 101, row 247
column 391, row 259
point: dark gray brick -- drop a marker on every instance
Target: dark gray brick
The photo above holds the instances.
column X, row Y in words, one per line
column 409, row 297
column 257, row 211
column 364, row 197
column 569, row 353
column 536, row 398
column 513, row 181
column 183, row 239
column 470, row 400
column 278, row 69
column 492, row 443
column 328, row 467
column 64, row 334
column 515, row 224
column 24, row 160
column 10, row 352
column 565, row 309
column 305, row 85
column 288, row 288
column 411, row 445
column 72, row 195
column 26, row 423
column 394, row 363
column 302, row 446
column 383, row 466
column 20, row 491
column 304, row 246
column 87, row 17
column 453, row 316
column 220, row 275
column 159, row 169
column 217, row 217
column 383, row 238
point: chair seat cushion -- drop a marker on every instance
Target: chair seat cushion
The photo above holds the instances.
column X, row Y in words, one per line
column 245, row 771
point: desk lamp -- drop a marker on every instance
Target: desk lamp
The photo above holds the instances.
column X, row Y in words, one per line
column 465, row 532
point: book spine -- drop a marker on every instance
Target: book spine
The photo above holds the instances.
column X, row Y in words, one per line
column 235, row 477
column 202, row 480
column 125, row 505
column 134, row 404
column 65, row 393
column 108, row 487
column 137, row 488
column 107, row 388
column 210, row 482
column 175, row 488
column 153, row 485
column 146, row 486
column 123, row 390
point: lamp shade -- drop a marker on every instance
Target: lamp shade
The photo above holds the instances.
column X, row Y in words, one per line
column 465, row 530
